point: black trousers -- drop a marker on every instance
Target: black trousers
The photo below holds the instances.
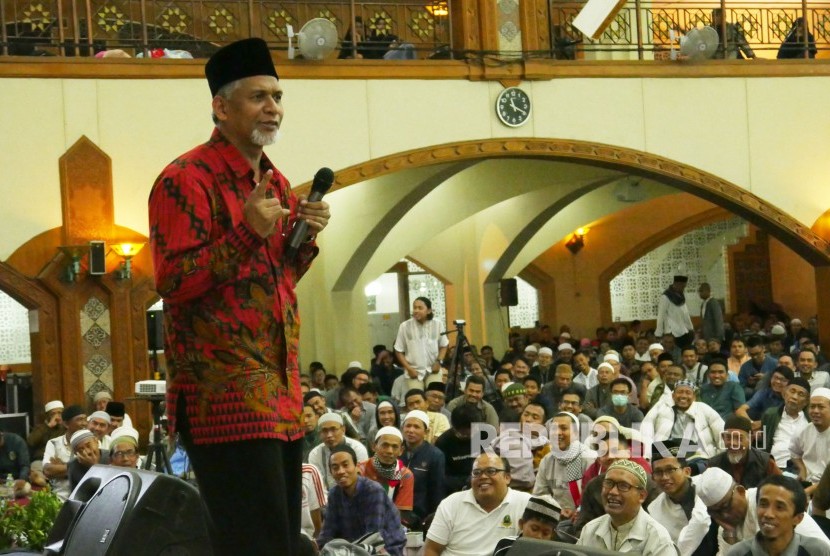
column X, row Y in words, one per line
column 252, row 490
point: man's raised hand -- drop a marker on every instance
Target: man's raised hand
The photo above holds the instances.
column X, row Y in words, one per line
column 261, row 212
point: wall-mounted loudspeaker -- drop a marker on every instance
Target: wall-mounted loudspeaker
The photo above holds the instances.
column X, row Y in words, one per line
column 97, row 258
column 508, row 292
column 155, row 330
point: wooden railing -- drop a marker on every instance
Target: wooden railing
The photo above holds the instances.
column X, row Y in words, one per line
column 82, row 27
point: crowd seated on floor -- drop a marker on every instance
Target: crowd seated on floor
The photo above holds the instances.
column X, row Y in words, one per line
column 623, row 441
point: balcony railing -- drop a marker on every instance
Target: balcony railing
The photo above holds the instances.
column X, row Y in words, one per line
column 643, row 29
column 82, row 27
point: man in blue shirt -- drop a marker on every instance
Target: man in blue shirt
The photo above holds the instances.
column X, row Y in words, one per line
column 359, row 506
column 767, row 397
column 759, row 364
column 426, row 462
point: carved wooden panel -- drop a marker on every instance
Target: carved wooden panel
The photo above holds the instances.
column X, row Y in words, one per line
column 86, row 193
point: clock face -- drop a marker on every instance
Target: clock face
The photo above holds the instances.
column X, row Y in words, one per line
column 513, row 107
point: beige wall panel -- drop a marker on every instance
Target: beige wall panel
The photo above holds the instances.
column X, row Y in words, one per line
column 790, row 133
column 701, row 122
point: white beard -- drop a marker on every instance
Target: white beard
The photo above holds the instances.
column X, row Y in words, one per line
column 264, row 139
column 734, row 459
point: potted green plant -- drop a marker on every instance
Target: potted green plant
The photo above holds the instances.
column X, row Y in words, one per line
column 28, row 526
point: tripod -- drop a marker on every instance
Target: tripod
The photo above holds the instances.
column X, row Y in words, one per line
column 460, row 343
column 156, row 451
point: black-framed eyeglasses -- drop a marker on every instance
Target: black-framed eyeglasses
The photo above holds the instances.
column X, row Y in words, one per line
column 488, row 471
column 622, row 486
column 665, row 472
column 124, row 454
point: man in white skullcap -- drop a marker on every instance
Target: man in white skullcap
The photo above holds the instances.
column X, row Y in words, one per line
column 426, row 462
column 124, row 448
column 733, row 507
column 810, row 447
column 332, row 432
column 386, row 469
column 51, row 427
column 626, row 526
column 544, row 364
column 98, row 423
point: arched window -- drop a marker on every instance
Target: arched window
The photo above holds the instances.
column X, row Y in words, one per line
column 526, row 313
column 15, row 346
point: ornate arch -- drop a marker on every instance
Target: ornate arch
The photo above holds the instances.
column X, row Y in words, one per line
column 798, row 237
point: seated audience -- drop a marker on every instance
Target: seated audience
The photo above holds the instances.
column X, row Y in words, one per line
column 619, row 405
column 426, row 462
column 810, row 446
column 571, row 402
column 99, row 424
column 560, row 472
column 539, row 521
column 314, row 500
column 779, row 424
column 584, row 373
column 733, row 508
column 389, row 472
column 58, row 451
column 677, row 507
column 51, row 427
column 455, row 445
column 756, row 367
column 14, row 460
column 473, row 395
column 766, row 397
column 515, row 400
column 692, row 366
column 333, row 433
column 524, row 446
column 746, row 464
column 599, row 395
column 626, row 526
column 124, row 448
column 807, row 365
column 358, row 506
column 438, row 423
column 781, row 505
column 720, row 394
column 436, row 394
column 86, row 452
column 118, row 416
column 475, row 520
column 387, row 415
column 685, row 418
column 357, row 414
column 311, row 438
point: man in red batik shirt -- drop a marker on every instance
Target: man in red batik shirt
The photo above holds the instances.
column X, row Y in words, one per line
column 220, row 217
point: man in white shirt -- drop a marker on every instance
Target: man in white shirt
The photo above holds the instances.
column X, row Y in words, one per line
column 473, row 521
column 420, row 346
column 779, row 424
column 807, row 364
column 59, row 450
column 734, row 509
column 626, row 526
column 673, row 314
column 332, row 432
column 684, row 418
column 810, row 447
column 585, row 374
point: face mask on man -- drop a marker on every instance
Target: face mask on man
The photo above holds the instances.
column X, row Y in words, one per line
column 619, row 400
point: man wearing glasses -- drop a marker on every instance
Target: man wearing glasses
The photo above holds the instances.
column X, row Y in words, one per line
column 677, row 508
column 766, row 397
column 626, row 527
column 733, row 507
column 473, row 521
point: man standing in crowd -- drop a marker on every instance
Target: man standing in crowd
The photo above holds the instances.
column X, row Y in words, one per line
column 673, row 314
column 711, row 314
column 220, row 221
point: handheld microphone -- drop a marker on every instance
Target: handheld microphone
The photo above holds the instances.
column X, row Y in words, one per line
column 322, row 182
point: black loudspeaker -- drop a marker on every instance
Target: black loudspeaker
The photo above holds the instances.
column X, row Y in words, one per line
column 155, row 330
column 115, row 511
column 509, row 292
column 97, row 258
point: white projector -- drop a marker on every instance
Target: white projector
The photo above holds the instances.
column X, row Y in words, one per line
column 150, row 387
